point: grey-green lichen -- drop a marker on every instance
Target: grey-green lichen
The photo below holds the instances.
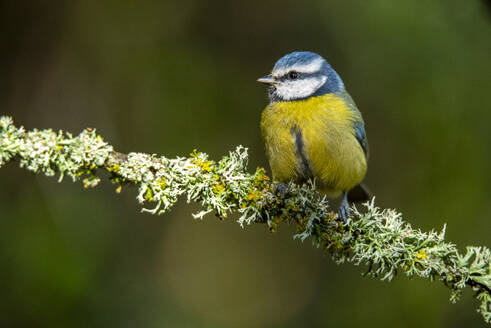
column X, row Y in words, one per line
column 377, row 238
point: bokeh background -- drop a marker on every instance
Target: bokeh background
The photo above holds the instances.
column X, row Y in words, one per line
column 166, row 77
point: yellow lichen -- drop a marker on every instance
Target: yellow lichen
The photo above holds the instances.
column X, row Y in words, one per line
column 162, row 183
column 204, row 165
column 116, row 168
column 219, row 188
column 421, row 254
column 149, row 195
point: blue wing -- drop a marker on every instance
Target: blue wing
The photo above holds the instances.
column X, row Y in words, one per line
column 361, row 136
column 358, row 124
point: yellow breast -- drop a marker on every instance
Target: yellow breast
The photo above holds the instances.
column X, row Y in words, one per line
column 328, row 150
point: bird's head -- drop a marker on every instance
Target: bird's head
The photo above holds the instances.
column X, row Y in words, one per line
column 301, row 75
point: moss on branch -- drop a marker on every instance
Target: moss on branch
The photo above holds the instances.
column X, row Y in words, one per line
column 377, row 238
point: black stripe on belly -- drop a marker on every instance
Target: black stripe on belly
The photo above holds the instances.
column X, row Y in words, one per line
column 305, row 169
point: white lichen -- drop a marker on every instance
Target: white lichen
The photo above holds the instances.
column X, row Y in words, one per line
column 375, row 237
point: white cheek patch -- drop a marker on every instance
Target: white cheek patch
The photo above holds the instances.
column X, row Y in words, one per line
column 312, row 67
column 302, row 88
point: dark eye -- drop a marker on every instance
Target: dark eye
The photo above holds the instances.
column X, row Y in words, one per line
column 293, row 75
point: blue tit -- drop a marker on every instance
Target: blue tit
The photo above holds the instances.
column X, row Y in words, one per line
column 313, row 130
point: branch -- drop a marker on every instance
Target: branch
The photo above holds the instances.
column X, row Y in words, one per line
column 377, row 238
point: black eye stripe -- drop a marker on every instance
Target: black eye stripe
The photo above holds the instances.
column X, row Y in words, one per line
column 286, row 76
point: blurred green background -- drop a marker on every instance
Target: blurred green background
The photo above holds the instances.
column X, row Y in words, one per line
column 166, row 77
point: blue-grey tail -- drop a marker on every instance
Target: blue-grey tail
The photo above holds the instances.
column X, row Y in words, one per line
column 359, row 194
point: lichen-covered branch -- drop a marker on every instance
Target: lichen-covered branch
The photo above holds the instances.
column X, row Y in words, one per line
column 377, row 238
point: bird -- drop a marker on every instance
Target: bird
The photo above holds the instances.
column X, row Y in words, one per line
column 313, row 130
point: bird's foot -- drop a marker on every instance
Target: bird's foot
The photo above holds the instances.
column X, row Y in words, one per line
column 344, row 211
column 280, row 189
